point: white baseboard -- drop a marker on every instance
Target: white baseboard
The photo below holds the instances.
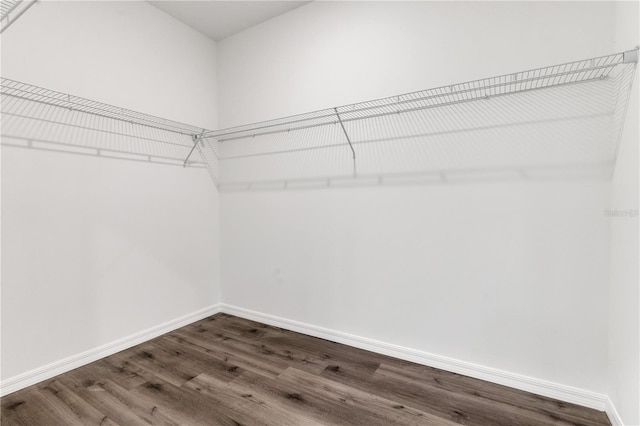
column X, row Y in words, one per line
column 612, row 413
column 517, row 381
column 541, row 387
column 48, row 371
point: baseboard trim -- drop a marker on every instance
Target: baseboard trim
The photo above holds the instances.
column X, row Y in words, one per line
column 612, row 413
column 541, row 387
column 514, row 380
column 67, row 364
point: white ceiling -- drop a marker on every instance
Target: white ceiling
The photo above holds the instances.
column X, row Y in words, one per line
column 220, row 19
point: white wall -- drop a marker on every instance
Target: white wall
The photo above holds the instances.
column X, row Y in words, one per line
column 624, row 301
column 95, row 250
column 346, row 52
column 509, row 275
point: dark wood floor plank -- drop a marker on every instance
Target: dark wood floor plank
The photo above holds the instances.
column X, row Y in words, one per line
column 458, row 407
column 268, row 338
column 187, row 406
column 52, row 405
column 242, row 358
column 226, row 370
column 119, row 370
column 223, row 370
column 115, row 401
column 452, row 382
column 386, row 411
column 152, row 359
column 282, row 355
column 257, row 410
column 303, row 402
column 70, row 407
column 260, row 353
column 25, row 407
column 325, row 354
column 178, row 364
column 330, row 352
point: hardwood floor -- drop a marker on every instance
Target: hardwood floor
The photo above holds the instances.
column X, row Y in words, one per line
column 225, row 370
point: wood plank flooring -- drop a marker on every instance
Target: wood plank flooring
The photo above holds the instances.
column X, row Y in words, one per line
column 225, row 370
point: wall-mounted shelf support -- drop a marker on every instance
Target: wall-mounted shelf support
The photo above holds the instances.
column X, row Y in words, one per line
column 195, row 139
column 345, row 133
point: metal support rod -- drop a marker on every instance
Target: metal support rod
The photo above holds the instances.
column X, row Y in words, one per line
column 195, row 139
column 345, row 133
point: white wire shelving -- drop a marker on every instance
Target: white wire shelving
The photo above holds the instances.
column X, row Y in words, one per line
column 11, row 10
column 536, row 122
column 35, row 117
column 530, row 119
column 539, row 78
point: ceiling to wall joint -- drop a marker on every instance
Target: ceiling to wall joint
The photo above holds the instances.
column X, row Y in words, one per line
column 221, row 19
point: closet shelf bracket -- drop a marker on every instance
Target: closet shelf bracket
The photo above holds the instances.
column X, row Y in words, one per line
column 345, row 133
column 195, row 139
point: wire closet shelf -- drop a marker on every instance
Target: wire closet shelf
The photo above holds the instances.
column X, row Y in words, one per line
column 559, row 112
column 535, row 79
column 527, row 118
column 11, row 10
column 36, row 117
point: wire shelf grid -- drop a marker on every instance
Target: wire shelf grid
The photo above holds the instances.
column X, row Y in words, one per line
column 27, row 92
column 35, row 117
column 11, row 10
column 559, row 119
column 536, row 118
column 539, row 78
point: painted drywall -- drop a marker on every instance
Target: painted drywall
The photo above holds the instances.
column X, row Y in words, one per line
column 95, row 250
column 510, row 275
column 624, row 298
column 350, row 52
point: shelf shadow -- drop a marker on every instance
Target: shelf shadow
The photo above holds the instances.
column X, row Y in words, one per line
column 560, row 172
column 112, row 154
